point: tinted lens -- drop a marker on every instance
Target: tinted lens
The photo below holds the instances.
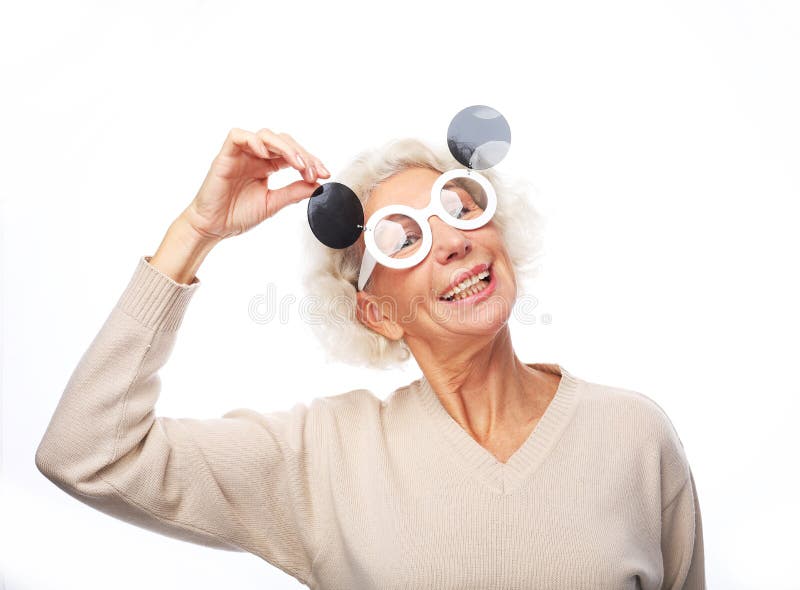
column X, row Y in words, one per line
column 334, row 215
column 479, row 137
column 397, row 235
column 464, row 198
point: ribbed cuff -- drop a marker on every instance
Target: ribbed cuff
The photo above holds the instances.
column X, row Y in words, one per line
column 155, row 299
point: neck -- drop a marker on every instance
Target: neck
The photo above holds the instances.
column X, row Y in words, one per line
column 485, row 387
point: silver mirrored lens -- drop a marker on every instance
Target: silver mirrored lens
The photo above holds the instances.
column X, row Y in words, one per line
column 397, row 235
column 464, row 198
column 479, row 137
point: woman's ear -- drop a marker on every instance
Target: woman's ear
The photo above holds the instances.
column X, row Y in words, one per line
column 366, row 310
column 370, row 312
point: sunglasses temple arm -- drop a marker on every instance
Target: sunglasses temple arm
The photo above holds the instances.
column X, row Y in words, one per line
column 367, row 266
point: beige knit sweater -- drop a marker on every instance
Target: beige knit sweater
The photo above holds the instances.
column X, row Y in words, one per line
column 350, row 492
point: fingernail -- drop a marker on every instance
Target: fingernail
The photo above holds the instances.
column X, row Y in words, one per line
column 300, row 161
column 325, row 170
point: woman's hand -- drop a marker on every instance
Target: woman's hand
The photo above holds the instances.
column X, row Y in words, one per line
column 234, row 196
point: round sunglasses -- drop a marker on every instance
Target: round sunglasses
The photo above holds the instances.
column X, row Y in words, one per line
column 399, row 236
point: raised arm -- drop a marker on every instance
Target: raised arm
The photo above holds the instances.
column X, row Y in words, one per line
column 247, row 481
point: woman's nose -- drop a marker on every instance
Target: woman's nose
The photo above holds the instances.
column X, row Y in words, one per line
column 448, row 242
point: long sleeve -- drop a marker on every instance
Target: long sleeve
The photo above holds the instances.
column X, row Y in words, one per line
column 682, row 540
column 241, row 482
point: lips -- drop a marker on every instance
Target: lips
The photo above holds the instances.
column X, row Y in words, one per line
column 478, row 268
column 475, row 297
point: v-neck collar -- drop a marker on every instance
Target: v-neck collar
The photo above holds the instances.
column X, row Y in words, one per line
column 506, row 477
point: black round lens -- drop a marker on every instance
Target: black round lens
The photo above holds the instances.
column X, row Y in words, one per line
column 479, row 137
column 335, row 214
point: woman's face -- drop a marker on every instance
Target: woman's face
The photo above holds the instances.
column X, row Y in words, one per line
column 410, row 300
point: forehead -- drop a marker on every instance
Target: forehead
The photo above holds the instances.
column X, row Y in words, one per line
column 411, row 187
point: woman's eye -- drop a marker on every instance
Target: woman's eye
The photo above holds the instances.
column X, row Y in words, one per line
column 409, row 241
column 463, row 212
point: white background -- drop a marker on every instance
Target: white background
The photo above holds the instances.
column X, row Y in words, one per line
column 661, row 137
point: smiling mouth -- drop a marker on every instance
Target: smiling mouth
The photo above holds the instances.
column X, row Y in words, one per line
column 478, row 283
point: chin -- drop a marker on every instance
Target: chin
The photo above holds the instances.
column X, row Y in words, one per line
column 486, row 316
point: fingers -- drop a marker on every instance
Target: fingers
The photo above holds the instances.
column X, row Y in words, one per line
column 241, row 140
column 312, row 167
column 279, row 149
column 275, row 150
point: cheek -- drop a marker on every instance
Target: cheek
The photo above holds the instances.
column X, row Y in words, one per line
column 495, row 242
column 414, row 290
column 402, row 285
column 415, row 284
column 492, row 236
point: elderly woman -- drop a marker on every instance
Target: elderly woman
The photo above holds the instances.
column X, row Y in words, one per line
column 486, row 472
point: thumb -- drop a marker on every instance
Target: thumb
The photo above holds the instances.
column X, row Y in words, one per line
column 291, row 193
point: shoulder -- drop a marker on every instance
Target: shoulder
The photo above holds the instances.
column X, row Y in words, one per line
column 641, row 421
column 359, row 412
column 364, row 401
column 358, row 401
column 351, row 412
column 630, row 404
column 341, row 411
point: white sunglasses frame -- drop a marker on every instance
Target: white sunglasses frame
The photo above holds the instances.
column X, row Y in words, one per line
column 373, row 254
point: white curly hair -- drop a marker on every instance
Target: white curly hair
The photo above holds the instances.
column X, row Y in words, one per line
column 331, row 275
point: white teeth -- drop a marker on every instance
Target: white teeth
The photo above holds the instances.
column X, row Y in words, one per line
column 463, row 286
